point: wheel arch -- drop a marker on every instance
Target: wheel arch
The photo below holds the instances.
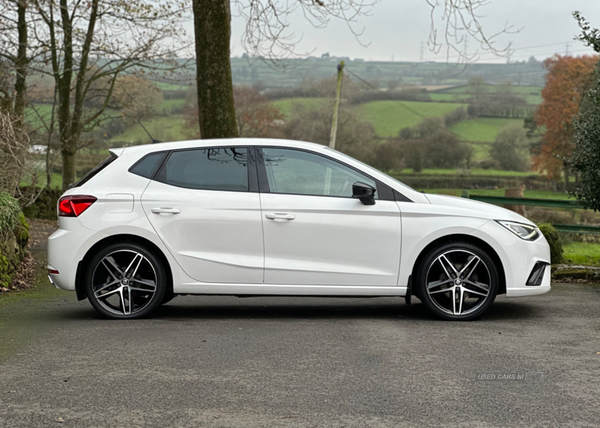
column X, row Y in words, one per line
column 448, row 239
column 119, row 239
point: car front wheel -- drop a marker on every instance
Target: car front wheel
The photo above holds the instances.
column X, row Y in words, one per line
column 125, row 281
column 458, row 281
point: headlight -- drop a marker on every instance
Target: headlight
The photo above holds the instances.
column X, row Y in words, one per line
column 523, row 231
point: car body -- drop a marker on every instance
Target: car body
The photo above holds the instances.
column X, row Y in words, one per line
column 287, row 218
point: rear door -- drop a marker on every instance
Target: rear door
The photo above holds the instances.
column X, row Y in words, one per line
column 204, row 205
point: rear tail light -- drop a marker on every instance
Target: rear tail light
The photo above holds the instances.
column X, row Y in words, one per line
column 74, row 205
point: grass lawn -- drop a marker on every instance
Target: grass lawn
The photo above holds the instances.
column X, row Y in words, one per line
column 582, row 253
column 389, row 117
column 483, row 128
column 289, row 105
column 161, row 128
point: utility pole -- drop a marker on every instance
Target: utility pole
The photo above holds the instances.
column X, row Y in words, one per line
column 336, row 107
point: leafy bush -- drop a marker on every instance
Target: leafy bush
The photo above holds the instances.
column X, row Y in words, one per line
column 455, row 116
column 14, row 234
column 586, row 157
column 511, row 149
column 551, row 235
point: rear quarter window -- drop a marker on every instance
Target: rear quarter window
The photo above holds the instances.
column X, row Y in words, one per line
column 148, row 165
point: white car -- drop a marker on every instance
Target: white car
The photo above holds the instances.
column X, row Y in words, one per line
column 284, row 218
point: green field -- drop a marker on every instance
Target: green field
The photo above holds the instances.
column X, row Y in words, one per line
column 161, row 128
column 483, row 128
column 389, row 117
column 167, row 105
column 289, row 106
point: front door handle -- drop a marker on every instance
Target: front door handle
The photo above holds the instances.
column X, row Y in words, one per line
column 280, row 217
column 165, row 211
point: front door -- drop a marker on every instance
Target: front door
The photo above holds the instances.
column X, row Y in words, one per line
column 315, row 233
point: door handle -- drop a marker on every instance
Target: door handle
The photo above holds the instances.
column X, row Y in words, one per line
column 280, row 217
column 165, row 211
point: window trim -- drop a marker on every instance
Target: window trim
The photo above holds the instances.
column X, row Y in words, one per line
column 251, row 168
column 384, row 192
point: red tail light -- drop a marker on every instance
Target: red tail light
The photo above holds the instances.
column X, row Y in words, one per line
column 74, row 205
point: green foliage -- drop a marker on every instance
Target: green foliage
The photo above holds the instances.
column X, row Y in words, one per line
column 9, row 213
column 511, row 149
column 586, row 158
column 553, row 238
column 14, row 234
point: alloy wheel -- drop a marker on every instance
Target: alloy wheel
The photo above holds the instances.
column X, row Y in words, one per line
column 124, row 282
column 459, row 283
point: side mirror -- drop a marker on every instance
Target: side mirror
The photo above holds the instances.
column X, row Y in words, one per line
column 364, row 192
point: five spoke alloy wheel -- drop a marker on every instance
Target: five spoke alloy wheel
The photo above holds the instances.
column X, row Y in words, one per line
column 458, row 281
column 125, row 281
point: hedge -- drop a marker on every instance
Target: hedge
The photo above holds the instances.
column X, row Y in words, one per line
column 14, row 234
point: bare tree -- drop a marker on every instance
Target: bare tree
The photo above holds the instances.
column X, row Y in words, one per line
column 462, row 23
column 89, row 45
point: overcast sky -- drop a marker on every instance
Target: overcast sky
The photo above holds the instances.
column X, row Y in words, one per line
column 397, row 28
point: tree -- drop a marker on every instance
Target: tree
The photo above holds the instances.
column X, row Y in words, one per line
column 14, row 14
column 586, row 157
column 354, row 137
column 567, row 82
column 136, row 98
column 511, row 149
column 268, row 36
column 96, row 42
column 255, row 117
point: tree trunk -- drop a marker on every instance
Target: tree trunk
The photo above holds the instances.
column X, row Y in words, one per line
column 212, row 30
column 566, row 173
column 21, row 64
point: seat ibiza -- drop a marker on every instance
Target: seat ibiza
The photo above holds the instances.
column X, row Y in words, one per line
column 283, row 218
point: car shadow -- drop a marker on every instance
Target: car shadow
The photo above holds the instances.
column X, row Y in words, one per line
column 310, row 308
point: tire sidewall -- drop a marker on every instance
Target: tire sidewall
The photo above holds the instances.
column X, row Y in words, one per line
column 421, row 280
column 161, row 285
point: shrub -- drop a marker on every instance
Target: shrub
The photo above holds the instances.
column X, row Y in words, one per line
column 551, row 235
column 14, row 234
column 511, row 149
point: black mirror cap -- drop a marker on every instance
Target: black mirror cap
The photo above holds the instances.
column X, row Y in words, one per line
column 364, row 192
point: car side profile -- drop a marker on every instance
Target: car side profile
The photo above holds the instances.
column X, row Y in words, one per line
column 284, row 218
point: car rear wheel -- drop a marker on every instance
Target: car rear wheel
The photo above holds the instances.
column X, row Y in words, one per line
column 125, row 281
column 458, row 281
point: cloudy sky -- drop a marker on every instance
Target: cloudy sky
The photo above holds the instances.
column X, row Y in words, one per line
column 397, row 29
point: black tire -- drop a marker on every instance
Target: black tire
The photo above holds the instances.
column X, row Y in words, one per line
column 457, row 281
column 125, row 281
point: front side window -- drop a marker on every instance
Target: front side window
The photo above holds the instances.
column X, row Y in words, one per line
column 301, row 173
column 222, row 168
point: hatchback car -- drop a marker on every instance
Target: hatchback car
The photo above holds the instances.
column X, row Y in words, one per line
column 283, row 218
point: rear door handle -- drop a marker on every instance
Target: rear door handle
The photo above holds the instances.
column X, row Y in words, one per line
column 165, row 211
column 280, row 217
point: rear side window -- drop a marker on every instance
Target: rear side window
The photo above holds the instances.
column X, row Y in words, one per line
column 208, row 169
column 147, row 166
column 96, row 170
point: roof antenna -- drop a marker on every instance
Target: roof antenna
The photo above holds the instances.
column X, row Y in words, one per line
column 144, row 128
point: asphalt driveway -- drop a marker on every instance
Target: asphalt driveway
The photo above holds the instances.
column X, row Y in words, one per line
column 256, row 362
